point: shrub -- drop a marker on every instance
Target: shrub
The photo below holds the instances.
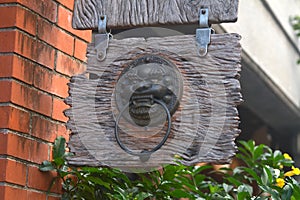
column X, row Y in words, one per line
column 265, row 174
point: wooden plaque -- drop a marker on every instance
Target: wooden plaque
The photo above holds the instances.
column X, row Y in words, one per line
column 204, row 126
column 133, row 13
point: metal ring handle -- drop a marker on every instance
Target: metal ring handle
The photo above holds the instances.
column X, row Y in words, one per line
column 144, row 152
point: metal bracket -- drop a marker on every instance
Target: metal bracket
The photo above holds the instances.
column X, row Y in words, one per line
column 101, row 38
column 203, row 34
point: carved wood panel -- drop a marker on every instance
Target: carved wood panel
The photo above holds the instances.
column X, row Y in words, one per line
column 133, row 13
column 203, row 128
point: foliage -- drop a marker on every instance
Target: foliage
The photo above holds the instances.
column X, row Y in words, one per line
column 264, row 174
column 295, row 21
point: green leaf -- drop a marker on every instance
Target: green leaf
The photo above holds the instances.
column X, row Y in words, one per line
column 199, row 178
column 181, row 194
column 253, row 174
column 46, row 166
column 65, row 196
column 198, row 169
column 277, row 155
column 244, row 152
column 146, row 182
column 227, row 188
column 91, row 169
column 143, row 195
column 296, row 189
column 186, row 181
column 121, row 192
column 59, row 147
column 287, row 192
column 59, row 161
column 272, row 192
column 234, row 181
column 264, row 177
column 169, row 172
column 63, row 173
column 214, row 188
column 258, row 151
column 243, row 196
column 248, row 145
column 245, row 188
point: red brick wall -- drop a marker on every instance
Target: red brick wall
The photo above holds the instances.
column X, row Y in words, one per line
column 39, row 51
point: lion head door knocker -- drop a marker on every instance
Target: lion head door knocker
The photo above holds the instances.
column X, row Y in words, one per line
column 147, row 94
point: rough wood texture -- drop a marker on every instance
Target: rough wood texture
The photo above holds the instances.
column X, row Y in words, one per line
column 203, row 128
column 130, row 13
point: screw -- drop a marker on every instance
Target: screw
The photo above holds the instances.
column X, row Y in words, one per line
column 147, row 60
column 100, row 56
column 202, row 51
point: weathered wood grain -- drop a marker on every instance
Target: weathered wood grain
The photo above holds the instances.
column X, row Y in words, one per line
column 203, row 128
column 133, row 13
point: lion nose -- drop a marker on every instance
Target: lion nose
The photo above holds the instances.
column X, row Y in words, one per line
column 143, row 87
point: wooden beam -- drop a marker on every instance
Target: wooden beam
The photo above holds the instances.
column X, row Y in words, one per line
column 135, row 13
column 211, row 94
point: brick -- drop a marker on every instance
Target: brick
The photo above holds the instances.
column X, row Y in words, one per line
column 3, row 142
column 54, row 198
column 26, row 20
column 35, row 50
column 45, row 129
column 60, row 86
column 47, row 9
column 10, row 193
column 6, row 91
column 15, row 41
column 14, row 119
column 16, row 146
column 55, row 36
column 48, row 81
column 44, row 55
column 2, row 192
column 63, row 132
column 65, row 22
column 68, row 65
column 32, row 195
column 27, row 97
column 58, row 110
column 80, row 49
column 4, row 113
column 2, row 170
column 16, row 67
column 10, row 13
column 16, row 16
column 14, row 172
column 7, row 41
column 6, row 66
column 41, row 180
column 24, row 148
column 38, row 152
column 68, row 3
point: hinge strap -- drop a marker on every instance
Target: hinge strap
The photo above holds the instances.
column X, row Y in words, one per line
column 203, row 33
column 101, row 38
